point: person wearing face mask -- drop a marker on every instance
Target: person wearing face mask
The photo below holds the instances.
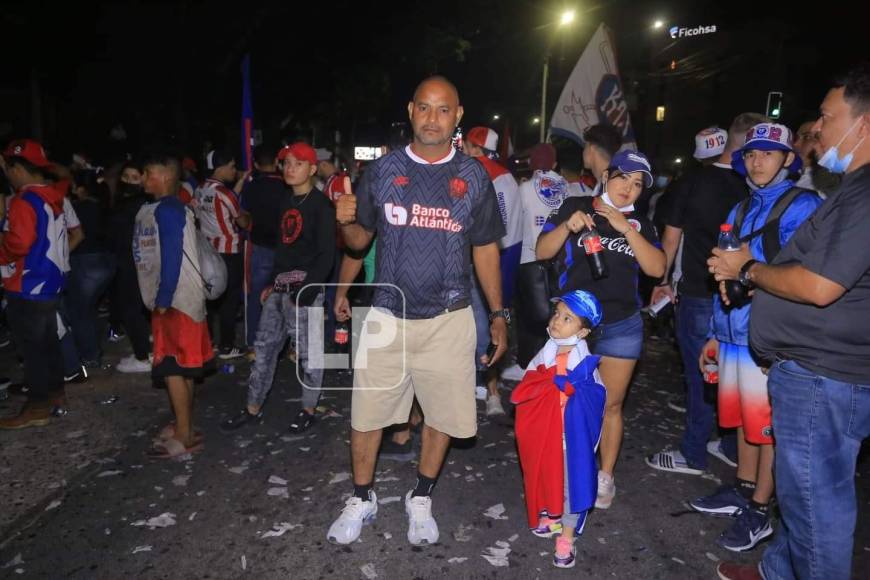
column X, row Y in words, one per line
column 776, row 207
column 629, row 242
column 809, row 318
column 126, row 300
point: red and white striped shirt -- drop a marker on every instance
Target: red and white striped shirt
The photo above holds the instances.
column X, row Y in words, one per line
column 217, row 208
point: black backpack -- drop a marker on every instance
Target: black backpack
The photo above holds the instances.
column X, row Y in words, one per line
column 770, row 230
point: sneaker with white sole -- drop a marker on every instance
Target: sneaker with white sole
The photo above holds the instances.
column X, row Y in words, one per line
column 547, row 527
column 606, row 490
column 513, row 373
column 565, row 554
column 230, row 352
column 422, row 527
column 747, row 531
column 493, row 406
column 131, row 364
column 714, row 448
column 726, row 502
column 355, row 514
column 672, row 460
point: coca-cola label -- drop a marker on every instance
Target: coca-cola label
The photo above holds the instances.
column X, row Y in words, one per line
column 592, row 244
column 341, row 336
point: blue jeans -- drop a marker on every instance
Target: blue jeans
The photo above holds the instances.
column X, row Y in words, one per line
column 819, row 424
column 480, row 309
column 693, row 324
column 620, row 339
column 88, row 279
column 260, row 265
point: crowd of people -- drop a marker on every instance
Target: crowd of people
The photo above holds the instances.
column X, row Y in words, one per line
column 458, row 251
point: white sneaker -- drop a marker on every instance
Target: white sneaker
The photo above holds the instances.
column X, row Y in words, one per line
column 513, row 373
column 714, row 449
column 493, row 406
column 130, row 364
column 606, row 491
column 422, row 527
column 356, row 513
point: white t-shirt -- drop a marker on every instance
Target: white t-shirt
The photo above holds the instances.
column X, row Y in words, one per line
column 541, row 196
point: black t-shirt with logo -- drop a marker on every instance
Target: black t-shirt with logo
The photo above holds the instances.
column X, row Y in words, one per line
column 832, row 341
column 306, row 237
column 618, row 291
column 699, row 203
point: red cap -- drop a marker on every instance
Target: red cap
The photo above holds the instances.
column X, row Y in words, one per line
column 29, row 150
column 483, row 137
column 300, row 151
column 543, row 157
column 189, row 164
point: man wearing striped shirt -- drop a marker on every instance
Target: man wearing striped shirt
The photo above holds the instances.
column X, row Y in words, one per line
column 219, row 216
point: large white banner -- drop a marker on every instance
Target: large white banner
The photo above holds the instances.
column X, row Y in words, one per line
column 593, row 94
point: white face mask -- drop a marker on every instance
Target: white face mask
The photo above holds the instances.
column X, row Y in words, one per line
column 569, row 341
column 832, row 161
column 606, row 199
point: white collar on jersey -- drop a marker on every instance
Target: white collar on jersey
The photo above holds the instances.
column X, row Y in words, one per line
column 416, row 158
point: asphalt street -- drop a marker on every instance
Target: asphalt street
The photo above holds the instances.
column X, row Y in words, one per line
column 82, row 501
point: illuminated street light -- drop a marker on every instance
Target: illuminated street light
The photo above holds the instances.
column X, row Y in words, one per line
column 565, row 19
column 495, row 117
column 658, row 24
column 678, row 160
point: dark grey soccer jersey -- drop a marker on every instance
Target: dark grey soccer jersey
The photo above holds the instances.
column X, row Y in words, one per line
column 427, row 217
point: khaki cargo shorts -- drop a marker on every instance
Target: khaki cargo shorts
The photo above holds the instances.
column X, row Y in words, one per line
column 432, row 359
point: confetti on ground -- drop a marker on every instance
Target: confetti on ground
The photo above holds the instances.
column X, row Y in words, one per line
column 388, row 536
column 275, row 480
column 244, row 562
column 391, row 499
column 75, row 434
column 279, row 530
column 497, row 556
column 514, row 538
column 164, row 520
column 712, row 557
column 386, row 479
column 461, row 534
column 16, row 561
column 110, row 473
column 496, row 512
column 456, row 560
column 52, row 505
column 278, row 492
column 369, row 571
column 239, row 470
column 180, row 480
column 678, row 561
column 193, row 515
column 138, row 549
column 339, row 477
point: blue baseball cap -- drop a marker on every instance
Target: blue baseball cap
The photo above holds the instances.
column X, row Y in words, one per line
column 630, row 162
column 766, row 137
column 583, row 303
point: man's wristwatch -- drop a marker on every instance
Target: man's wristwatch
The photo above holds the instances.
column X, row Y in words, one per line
column 743, row 275
column 503, row 313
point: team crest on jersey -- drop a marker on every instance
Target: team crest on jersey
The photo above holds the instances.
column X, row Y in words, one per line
column 400, row 180
column 458, row 188
column 550, row 191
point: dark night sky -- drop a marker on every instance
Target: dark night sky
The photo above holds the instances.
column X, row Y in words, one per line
column 172, row 68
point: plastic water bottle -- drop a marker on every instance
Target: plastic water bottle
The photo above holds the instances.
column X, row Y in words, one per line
column 737, row 293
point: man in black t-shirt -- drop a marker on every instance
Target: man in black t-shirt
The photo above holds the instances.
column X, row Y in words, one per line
column 809, row 318
column 260, row 201
column 700, row 203
column 304, row 254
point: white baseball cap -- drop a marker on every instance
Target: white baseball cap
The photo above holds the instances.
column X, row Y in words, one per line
column 710, row 142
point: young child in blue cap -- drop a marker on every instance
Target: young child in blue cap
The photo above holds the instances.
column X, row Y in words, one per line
column 560, row 406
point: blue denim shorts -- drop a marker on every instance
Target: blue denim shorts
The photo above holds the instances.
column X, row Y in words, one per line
column 622, row 339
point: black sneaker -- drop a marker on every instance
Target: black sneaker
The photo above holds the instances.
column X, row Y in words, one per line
column 77, row 376
column 303, row 422
column 395, row 452
column 240, row 420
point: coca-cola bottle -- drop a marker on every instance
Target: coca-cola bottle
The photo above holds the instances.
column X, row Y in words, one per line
column 737, row 293
column 591, row 240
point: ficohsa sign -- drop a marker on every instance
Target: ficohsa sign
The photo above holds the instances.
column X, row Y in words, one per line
column 682, row 32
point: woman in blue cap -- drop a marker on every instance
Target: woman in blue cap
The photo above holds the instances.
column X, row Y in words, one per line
column 560, row 404
column 629, row 243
